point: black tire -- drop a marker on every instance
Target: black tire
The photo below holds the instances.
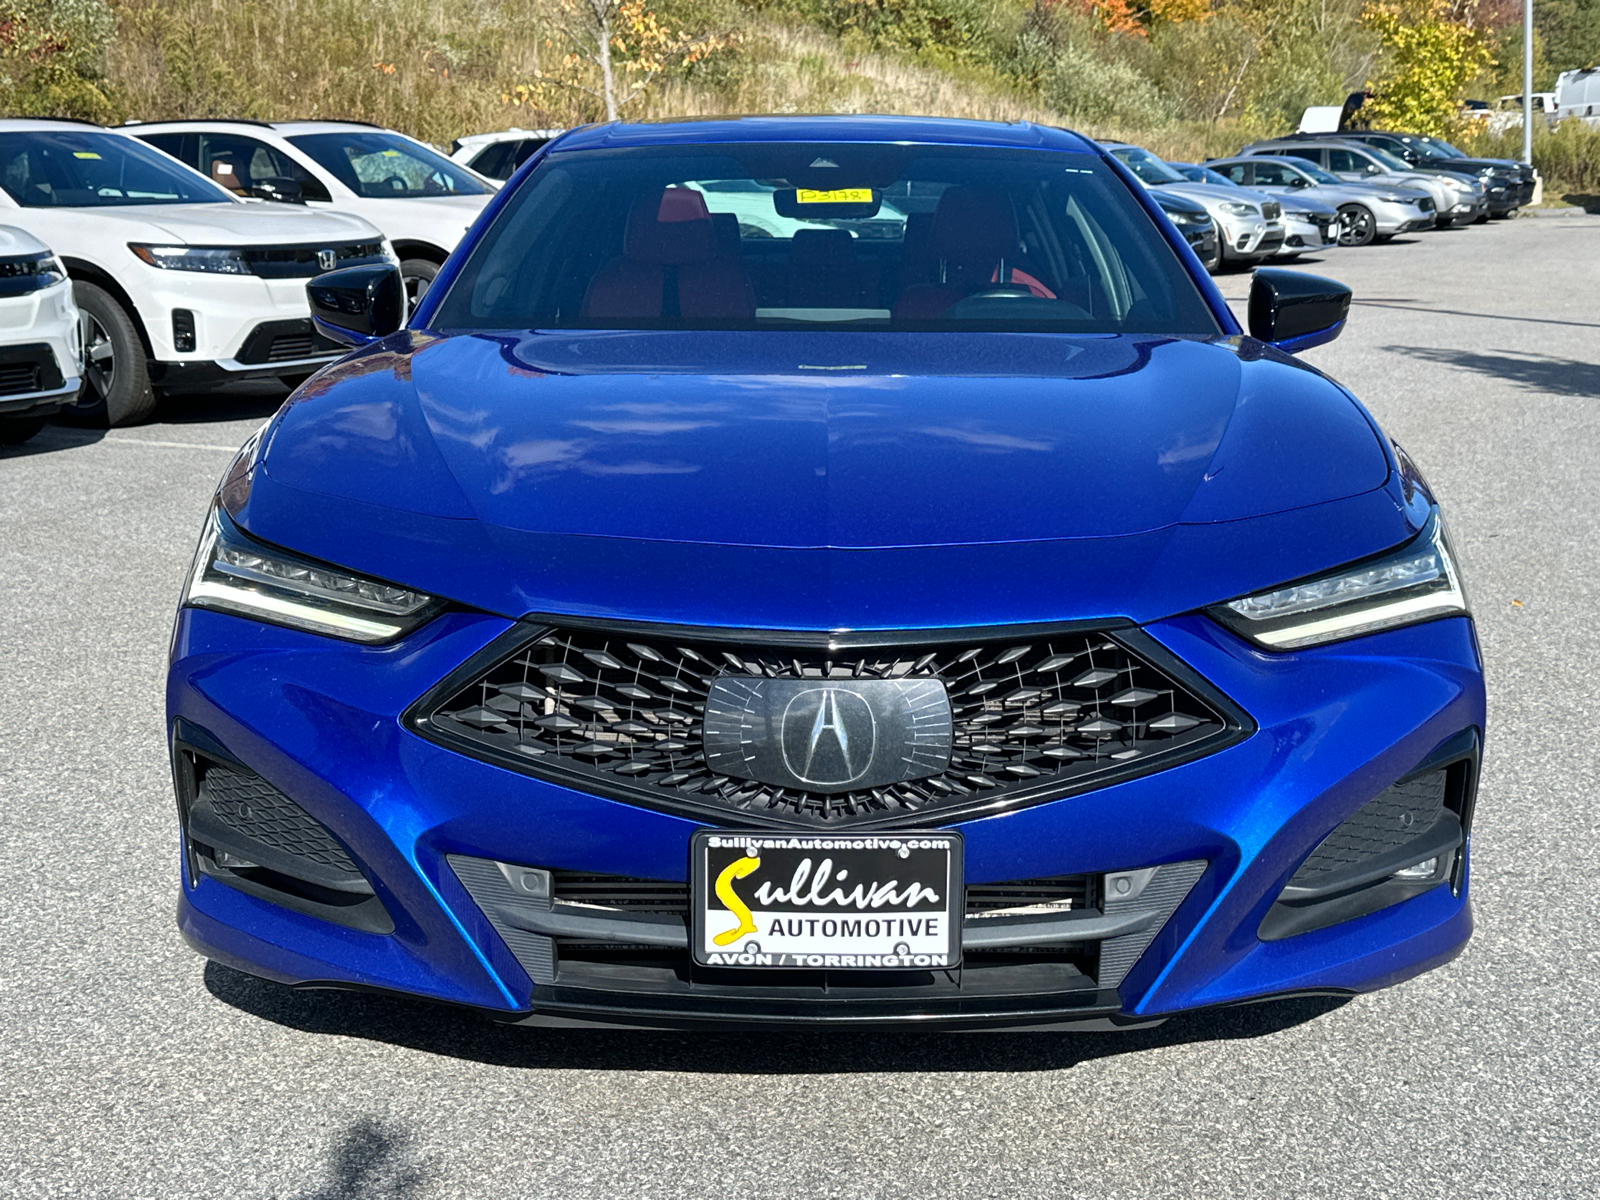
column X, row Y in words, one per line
column 116, row 374
column 16, row 430
column 418, row 275
column 1357, row 226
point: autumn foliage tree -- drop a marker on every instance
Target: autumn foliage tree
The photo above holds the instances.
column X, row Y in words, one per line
column 612, row 51
column 1428, row 56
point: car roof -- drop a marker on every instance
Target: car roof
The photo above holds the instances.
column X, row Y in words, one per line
column 507, row 135
column 48, row 124
column 919, row 130
column 284, row 127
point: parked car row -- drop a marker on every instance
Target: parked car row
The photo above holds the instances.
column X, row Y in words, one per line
column 178, row 252
column 1284, row 197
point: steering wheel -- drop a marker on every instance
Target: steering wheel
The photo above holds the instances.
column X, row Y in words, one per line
column 395, row 184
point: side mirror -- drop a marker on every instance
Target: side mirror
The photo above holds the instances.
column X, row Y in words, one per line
column 1300, row 181
column 358, row 305
column 280, row 188
column 1295, row 311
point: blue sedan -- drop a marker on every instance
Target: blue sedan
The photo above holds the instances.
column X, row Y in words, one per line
column 825, row 572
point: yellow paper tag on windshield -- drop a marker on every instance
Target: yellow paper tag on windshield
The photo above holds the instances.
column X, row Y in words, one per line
column 84, row 154
column 391, row 154
column 842, row 196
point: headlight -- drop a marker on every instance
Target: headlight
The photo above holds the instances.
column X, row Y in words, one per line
column 212, row 260
column 1239, row 209
column 1180, row 216
column 1304, row 218
column 23, row 273
column 234, row 573
column 1395, row 198
column 1418, row 582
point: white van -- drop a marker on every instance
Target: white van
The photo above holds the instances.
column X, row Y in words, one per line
column 1578, row 95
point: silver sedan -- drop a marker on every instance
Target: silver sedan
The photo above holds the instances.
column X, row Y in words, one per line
column 1368, row 212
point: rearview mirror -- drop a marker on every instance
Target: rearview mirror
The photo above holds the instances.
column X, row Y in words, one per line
column 280, row 188
column 1295, row 311
column 358, row 305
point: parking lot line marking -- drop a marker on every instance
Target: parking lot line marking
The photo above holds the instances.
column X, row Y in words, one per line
column 168, row 445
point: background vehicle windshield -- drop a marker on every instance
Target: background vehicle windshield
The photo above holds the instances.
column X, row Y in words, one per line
column 832, row 236
column 386, row 166
column 1443, row 148
column 1198, row 174
column 70, row 169
column 1146, row 166
column 1306, row 167
column 1391, row 162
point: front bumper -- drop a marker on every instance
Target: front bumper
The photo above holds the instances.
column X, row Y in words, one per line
column 228, row 315
column 41, row 352
column 321, row 721
column 1303, row 236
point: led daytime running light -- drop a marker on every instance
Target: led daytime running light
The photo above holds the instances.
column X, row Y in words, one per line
column 1419, row 582
column 235, row 574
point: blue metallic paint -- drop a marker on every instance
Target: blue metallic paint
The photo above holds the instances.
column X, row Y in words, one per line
column 706, row 479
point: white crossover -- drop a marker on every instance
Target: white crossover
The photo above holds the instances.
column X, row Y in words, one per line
column 422, row 201
column 180, row 283
column 41, row 348
column 498, row 155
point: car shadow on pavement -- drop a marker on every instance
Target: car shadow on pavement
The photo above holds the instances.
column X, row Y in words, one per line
column 51, row 439
column 371, row 1160
column 1533, row 372
column 474, row 1037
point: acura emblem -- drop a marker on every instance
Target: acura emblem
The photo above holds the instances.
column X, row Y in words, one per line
column 819, row 735
column 327, row 259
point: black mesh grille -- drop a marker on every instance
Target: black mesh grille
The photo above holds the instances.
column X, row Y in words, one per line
column 1032, row 719
column 289, row 346
column 248, row 803
column 1064, row 893
column 1398, row 815
column 620, row 891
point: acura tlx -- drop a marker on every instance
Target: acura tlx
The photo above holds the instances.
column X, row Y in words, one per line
column 830, row 572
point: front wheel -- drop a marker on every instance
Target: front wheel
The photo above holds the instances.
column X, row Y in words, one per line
column 1357, row 226
column 116, row 374
column 418, row 275
column 16, row 430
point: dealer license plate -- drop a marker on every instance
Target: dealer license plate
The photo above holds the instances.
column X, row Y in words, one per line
column 871, row 901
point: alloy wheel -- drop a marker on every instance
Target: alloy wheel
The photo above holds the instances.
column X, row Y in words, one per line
column 99, row 361
column 1356, row 226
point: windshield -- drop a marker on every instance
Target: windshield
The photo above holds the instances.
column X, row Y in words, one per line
column 1146, row 166
column 1198, row 174
column 1443, row 147
column 825, row 236
column 1306, row 167
column 1390, row 161
column 387, row 166
column 69, row 169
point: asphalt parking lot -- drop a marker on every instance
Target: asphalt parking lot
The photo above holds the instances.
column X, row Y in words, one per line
column 132, row 1068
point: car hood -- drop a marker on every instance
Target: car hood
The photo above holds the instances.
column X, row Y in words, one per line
column 560, row 472
column 227, row 223
column 1211, row 193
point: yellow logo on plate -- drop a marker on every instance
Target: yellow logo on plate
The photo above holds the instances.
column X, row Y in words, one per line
column 842, row 196
column 737, row 869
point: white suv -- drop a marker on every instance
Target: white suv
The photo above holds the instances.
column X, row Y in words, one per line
column 180, row 283
column 421, row 200
column 41, row 350
column 498, row 155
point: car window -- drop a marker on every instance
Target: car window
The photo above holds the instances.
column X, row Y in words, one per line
column 828, row 236
column 1389, row 162
column 240, row 164
column 1269, row 173
column 1306, row 167
column 1346, row 160
column 495, row 160
column 1145, row 165
column 69, row 169
column 384, row 165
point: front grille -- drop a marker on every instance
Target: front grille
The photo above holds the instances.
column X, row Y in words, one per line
column 289, row 346
column 1271, row 210
column 1399, row 814
column 283, row 341
column 251, row 805
column 619, row 891
column 1024, row 897
column 623, row 714
column 305, row 262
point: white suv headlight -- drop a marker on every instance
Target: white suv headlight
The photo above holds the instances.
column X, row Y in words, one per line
column 1239, row 209
column 234, row 573
column 211, row 260
column 1418, row 582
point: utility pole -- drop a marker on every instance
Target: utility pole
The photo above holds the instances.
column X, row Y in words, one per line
column 1527, row 81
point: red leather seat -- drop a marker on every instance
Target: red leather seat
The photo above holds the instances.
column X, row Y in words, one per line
column 669, row 267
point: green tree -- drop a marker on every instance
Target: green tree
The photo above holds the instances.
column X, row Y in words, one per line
column 51, row 53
